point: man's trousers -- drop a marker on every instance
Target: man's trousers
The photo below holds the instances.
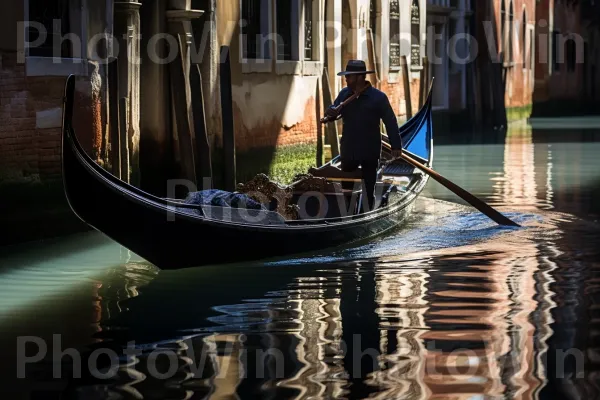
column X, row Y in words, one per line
column 369, row 177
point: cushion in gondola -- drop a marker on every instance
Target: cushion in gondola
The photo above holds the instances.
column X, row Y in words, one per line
column 216, row 197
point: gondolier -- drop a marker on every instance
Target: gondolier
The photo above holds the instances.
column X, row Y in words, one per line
column 361, row 135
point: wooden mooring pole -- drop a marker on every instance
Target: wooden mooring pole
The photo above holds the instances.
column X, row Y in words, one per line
column 227, row 116
column 331, row 130
column 319, row 112
column 406, row 77
column 424, row 83
column 182, row 116
column 201, row 144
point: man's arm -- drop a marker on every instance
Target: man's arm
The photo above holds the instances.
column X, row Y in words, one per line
column 341, row 97
column 391, row 124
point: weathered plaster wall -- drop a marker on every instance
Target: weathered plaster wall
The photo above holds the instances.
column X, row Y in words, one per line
column 272, row 108
column 277, row 105
column 279, row 110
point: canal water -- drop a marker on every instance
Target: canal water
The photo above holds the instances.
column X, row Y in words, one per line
column 450, row 306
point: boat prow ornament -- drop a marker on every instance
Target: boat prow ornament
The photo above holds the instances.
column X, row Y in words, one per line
column 310, row 183
column 263, row 190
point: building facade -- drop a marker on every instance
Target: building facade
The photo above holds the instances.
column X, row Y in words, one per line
column 565, row 78
column 286, row 56
column 41, row 43
column 504, row 69
column 448, row 52
column 32, row 81
column 515, row 21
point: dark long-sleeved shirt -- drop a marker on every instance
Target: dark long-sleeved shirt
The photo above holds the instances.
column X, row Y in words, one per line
column 361, row 136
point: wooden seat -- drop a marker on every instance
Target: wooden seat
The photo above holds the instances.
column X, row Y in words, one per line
column 399, row 168
column 332, row 173
column 336, row 174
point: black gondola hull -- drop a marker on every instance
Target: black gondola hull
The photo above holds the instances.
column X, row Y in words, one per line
column 172, row 237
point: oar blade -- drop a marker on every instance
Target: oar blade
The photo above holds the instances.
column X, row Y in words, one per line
column 462, row 193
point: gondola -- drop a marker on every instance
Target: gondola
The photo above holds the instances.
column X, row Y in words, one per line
column 173, row 234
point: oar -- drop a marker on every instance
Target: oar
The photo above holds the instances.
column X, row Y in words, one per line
column 462, row 193
column 350, row 99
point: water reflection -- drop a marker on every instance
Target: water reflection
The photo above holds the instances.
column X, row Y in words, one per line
column 452, row 307
column 479, row 320
column 532, row 169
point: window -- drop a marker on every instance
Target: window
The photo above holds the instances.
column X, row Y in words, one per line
column 308, row 29
column 251, row 29
column 415, row 26
column 284, row 29
column 55, row 17
column 555, row 52
column 65, row 23
column 394, row 34
column 571, row 50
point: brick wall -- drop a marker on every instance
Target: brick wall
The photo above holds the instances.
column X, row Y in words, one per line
column 305, row 131
column 28, row 149
column 564, row 83
column 561, row 84
column 395, row 92
column 272, row 133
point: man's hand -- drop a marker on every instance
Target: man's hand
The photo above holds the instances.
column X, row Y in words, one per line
column 332, row 112
column 396, row 153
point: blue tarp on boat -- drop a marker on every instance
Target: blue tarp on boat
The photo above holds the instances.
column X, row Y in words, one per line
column 216, row 197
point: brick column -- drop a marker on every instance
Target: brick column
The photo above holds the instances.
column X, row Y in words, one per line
column 127, row 31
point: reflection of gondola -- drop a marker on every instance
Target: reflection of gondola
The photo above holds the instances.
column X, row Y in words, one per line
column 172, row 234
